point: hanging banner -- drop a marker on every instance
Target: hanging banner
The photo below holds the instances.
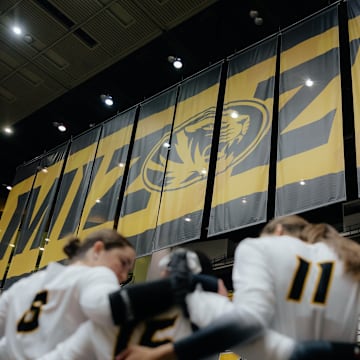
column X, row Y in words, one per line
column 310, row 160
column 36, row 217
column 140, row 206
column 183, row 194
column 71, row 196
column 107, row 174
column 242, row 169
column 14, row 211
column 354, row 39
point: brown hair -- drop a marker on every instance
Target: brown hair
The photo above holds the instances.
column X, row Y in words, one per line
column 292, row 225
column 347, row 249
column 110, row 238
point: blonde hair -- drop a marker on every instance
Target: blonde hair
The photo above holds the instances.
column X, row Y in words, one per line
column 291, row 224
column 347, row 249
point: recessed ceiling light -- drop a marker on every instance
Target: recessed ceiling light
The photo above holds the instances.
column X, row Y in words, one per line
column 16, row 30
column 107, row 99
column 8, row 130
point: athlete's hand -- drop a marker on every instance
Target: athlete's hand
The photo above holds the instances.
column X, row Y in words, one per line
column 137, row 352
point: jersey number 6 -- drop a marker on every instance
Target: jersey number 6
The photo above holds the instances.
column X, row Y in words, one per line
column 30, row 319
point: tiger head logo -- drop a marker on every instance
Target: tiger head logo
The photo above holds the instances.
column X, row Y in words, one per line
column 244, row 123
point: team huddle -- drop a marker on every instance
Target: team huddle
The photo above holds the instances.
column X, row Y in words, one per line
column 296, row 297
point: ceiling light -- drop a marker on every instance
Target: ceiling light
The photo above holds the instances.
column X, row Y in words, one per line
column 28, row 38
column 253, row 14
column 107, row 99
column 176, row 61
column 60, row 126
column 8, row 130
column 16, row 30
column 309, row 82
column 8, row 187
column 258, row 21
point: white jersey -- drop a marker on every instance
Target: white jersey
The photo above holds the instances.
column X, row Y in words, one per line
column 169, row 326
column 299, row 290
column 40, row 311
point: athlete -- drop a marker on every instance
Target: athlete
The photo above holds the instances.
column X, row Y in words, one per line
column 300, row 280
column 171, row 325
column 44, row 309
column 306, row 287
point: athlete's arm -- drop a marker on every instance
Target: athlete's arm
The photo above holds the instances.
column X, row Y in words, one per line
column 254, row 289
column 325, row 350
column 127, row 304
column 219, row 336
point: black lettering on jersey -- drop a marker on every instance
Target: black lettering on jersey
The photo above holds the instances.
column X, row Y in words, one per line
column 148, row 337
column 322, row 287
column 152, row 327
column 30, row 319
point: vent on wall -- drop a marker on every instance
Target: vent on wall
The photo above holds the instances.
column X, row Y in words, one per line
column 67, row 22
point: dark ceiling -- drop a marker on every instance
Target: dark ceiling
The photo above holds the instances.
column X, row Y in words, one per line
column 201, row 35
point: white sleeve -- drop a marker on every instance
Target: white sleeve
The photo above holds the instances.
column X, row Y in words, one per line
column 271, row 346
column 3, row 350
column 76, row 347
column 4, row 305
column 252, row 281
column 204, row 307
column 94, row 295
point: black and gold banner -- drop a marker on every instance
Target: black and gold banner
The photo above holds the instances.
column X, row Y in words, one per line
column 73, row 189
column 107, row 174
column 14, row 210
column 310, row 161
column 140, row 206
column 354, row 39
column 242, row 169
column 183, row 194
column 36, row 217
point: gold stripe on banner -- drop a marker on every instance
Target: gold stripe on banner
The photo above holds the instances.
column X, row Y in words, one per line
column 145, row 218
column 24, row 262
column 183, row 194
column 242, row 167
column 71, row 197
column 354, row 38
column 310, row 167
column 11, row 218
column 140, row 205
column 102, row 199
column 240, row 90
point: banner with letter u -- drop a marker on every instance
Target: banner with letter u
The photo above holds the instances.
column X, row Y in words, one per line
column 242, row 168
column 310, row 156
